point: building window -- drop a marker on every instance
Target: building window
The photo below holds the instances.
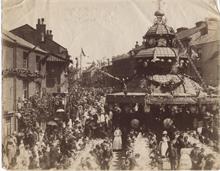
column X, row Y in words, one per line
column 38, row 88
column 38, row 65
column 25, row 60
column 25, row 89
column 50, row 81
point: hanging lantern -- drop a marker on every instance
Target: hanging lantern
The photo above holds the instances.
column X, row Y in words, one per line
column 167, row 122
column 169, row 60
column 135, row 123
column 162, row 60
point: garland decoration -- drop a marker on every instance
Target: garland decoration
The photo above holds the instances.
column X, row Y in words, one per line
column 21, row 73
column 167, row 86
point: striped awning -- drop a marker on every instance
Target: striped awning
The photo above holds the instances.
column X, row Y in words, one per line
column 158, row 52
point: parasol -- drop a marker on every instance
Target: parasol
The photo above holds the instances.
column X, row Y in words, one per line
column 52, row 123
column 60, row 110
column 167, row 122
column 135, row 123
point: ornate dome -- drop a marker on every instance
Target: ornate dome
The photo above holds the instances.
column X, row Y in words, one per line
column 159, row 28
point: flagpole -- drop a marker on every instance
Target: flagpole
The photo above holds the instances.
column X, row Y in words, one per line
column 80, row 63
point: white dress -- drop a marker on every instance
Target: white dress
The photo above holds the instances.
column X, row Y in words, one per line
column 117, row 142
column 23, row 158
column 185, row 161
column 164, row 146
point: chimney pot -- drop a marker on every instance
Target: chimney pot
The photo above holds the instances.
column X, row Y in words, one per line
column 199, row 23
column 42, row 20
column 38, row 21
column 50, row 32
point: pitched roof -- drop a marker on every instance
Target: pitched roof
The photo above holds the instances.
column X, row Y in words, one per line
column 210, row 37
column 6, row 35
column 15, row 39
column 33, row 29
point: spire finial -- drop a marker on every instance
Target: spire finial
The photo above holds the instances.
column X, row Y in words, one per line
column 159, row 4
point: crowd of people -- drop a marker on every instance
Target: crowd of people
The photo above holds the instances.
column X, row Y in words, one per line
column 180, row 151
column 103, row 154
column 85, row 118
column 60, row 142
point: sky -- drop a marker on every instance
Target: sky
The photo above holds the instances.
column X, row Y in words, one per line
column 103, row 28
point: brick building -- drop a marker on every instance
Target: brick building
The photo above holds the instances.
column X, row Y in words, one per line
column 32, row 63
column 58, row 60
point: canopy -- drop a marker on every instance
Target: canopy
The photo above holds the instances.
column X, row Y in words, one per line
column 143, row 98
column 158, row 52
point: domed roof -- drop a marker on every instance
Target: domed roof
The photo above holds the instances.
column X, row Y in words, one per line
column 159, row 27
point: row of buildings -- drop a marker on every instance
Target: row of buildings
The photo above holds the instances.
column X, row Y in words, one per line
column 32, row 63
column 204, row 39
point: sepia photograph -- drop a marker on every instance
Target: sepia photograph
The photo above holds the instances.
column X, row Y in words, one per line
column 110, row 85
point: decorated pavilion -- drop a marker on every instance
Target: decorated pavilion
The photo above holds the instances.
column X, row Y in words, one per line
column 159, row 87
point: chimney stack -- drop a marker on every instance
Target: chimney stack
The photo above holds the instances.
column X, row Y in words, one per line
column 205, row 29
column 50, row 35
column 41, row 27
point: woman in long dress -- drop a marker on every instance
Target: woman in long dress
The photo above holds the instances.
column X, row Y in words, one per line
column 23, row 158
column 117, row 142
column 164, row 145
column 185, row 160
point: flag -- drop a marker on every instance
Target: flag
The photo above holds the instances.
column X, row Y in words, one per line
column 82, row 52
